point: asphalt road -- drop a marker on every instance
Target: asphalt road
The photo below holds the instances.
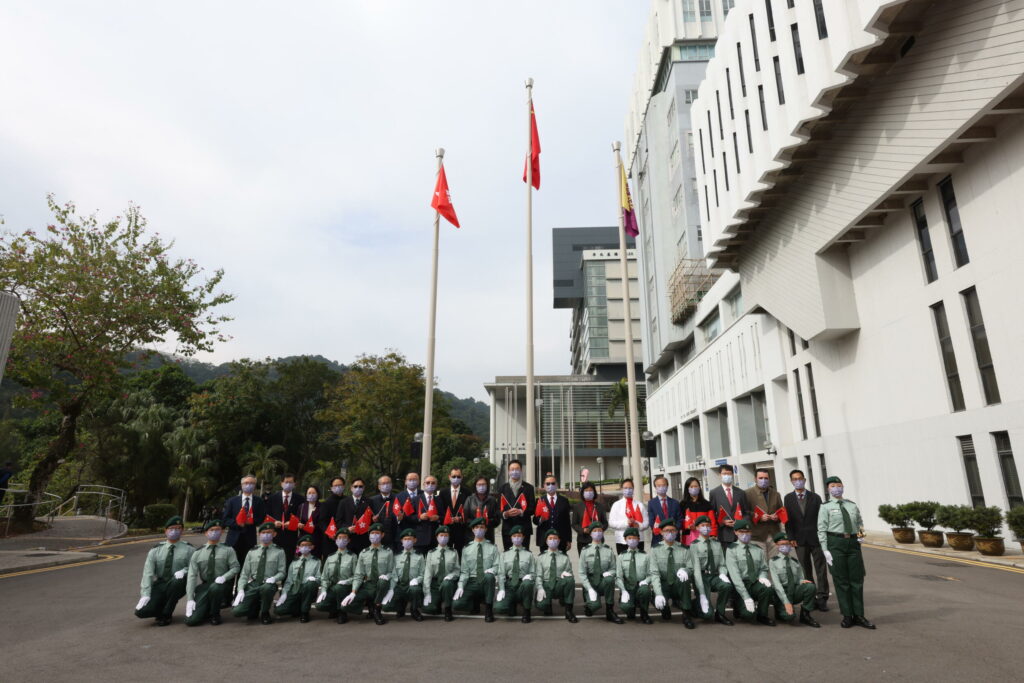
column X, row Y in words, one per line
column 937, row 620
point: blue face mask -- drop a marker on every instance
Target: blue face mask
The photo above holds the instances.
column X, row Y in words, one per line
column 248, row 488
column 743, row 538
column 694, row 491
column 727, row 479
column 337, row 490
column 517, row 541
column 479, row 532
column 455, row 481
column 597, row 536
column 408, row 543
column 266, row 538
column 173, row 534
column 312, row 498
column 669, row 536
column 375, row 538
column 305, row 549
column 763, row 483
column 412, row 485
column 385, row 489
column 515, row 474
column 551, row 488
column 553, row 543
column 288, row 487
column 632, row 542
column 662, row 490
column 341, row 541
column 481, row 489
column 627, row 493
column 835, row 491
column 213, row 535
column 784, row 549
column 442, row 541
column 704, row 530
column 588, row 495
column 799, row 484
column 357, row 491
column 430, row 488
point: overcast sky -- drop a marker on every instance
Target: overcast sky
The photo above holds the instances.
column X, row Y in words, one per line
column 293, row 146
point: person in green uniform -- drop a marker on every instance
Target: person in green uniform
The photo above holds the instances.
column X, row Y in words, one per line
column 163, row 575
column 440, row 575
column 211, row 568
column 515, row 581
column 710, row 573
column 673, row 563
column 303, row 582
column 749, row 573
column 374, row 581
column 840, row 533
column 636, row 577
column 336, row 578
column 409, row 581
column 790, row 585
column 555, row 578
column 263, row 569
column 478, row 576
column 597, row 573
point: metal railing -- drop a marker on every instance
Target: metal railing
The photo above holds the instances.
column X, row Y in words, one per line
column 89, row 499
column 44, row 507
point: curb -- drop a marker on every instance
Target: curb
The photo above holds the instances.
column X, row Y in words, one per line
column 1016, row 562
column 45, row 564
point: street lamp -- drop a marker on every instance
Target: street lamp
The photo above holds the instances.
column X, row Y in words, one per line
column 650, row 452
column 416, row 448
column 600, row 461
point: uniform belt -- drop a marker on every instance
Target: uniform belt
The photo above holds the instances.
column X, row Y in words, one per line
column 831, row 533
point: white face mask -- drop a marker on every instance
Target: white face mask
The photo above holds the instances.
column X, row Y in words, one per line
column 479, row 533
column 553, row 543
column 408, row 543
column 597, row 536
column 588, row 495
column 627, row 493
column 632, row 542
column 726, row 479
column 375, row 538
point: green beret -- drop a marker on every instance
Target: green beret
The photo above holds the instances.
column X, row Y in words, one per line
column 267, row 526
column 443, row 529
column 833, row 480
column 517, row 529
column 213, row 523
column 631, row 531
column 171, row 521
column 377, row 526
column 781, row 536
column 596, row 524
column 741, row 524
column 669, row 522
column 703, row 519
column 407, row 533
column 342, row 531
column 552, row 532
column 306, row 539
column 477, row 521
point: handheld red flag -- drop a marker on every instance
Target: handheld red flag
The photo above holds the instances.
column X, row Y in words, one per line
column 447, row 516
column 739, row 513
column 308, row 526
column 504, row 503
column 442, row 202
column 268, row 518
column 407, row 508
column 240, row 518
column 633, row 512
column 431, row 508
column 722, row 514
column 533, row 158
column 783, row 515
column 542, row 510
column 293, row 523
column 332, row 529
column 521, row 502
column 397, row 507
column 461, row 514
column 487, row 517
column 656, row 529
column 587, row 518
column 758, row 514
column 362, row 525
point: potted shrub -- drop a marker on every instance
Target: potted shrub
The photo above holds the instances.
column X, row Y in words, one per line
column 987, row 522
column 956, row 518
column 923, row 513
column 898, row 518
column 1015, row 520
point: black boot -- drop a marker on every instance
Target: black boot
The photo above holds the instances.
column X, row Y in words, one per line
column 570, row 616
column 644, row 617
column 378, row 618
column 265, row 618
column 666, row 614
column 215, row 618
column 488, row 613
column 526, row 616
column 806, row 618
column 342, row 617
column 847, row 622
column 369, row 609
column 416, row 615
column 587, row 612
column 722, row 619
column 857, row 621
column 822, row 605
column 400, row 613
column 610, row 615
column 767, row 621
column 448, row 613
column 631, row 613
column 687, row 621
column 304, row 618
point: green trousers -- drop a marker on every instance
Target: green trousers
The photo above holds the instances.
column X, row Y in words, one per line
column 762, row 597
column 676, row 592
column 713, row 584
column 476, row 590
column 405, row 596
column 370, row 591
column 639, row 596
column 332, row 601
column 299, row 600
column 163, row 597
column 605, row 587
column 441, row 592
column 521, row 594
column 562, row 589
column 847, row 574
column 209, row 597
column 257, row 599
column 803, row 594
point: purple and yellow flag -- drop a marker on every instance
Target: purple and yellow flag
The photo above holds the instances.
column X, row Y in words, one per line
column 626, row 202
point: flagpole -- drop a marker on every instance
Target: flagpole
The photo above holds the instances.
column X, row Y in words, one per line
column 428, row 396
column 531, row 408
column 634, row 429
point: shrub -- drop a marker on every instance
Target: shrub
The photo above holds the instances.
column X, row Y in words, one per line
column 986, row 522
column 1015, row 520
column 156, row 515
column 956, row 518
column 923, row 513
column 896, row 516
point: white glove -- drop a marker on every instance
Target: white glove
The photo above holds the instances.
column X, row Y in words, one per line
column 765, row 582
column 452, row 576
column 238, row 598
column 458, row 593
column 500, row 596
column 624, row 597
column 705, row 606
column 723, row 577
column 592, row 594
column 659, row 602
column 426, row 598
column 348, row 599
column 190, row 607
column 541, row 594
column 180, row 574
column 828, row 558
column 860, row 539
column 344, row 582
column 280, row 600
column 322, row 596
column 387, row 596
column 644, row 582
column 682, row 575
column 414, row 582
column 312, row 578
column 489, row 571
column 566, row 575
column 528, row 577
column 384, row 577
column 749, row 604
column 220, row 580
column 271, row 580
column 608, row 573
column 143, row 601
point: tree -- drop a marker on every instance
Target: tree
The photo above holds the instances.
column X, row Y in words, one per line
column 191, row 448
column 263, row 462
column 90, row 294
column 618, row 396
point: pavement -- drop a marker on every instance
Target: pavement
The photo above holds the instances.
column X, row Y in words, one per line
column 67, row 532
column 937, row 617
column 1013, row 557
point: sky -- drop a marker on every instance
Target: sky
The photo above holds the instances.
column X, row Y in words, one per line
column 294, row 148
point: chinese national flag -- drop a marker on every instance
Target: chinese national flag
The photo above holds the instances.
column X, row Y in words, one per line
column 656, row 529
column 739, row 513
column 588, row 519
column 268, row 518
column 332, row 529
column 533, row 159
column 758, row 514
column 241, row 519
column 521, row 501
column 293, row 523
column 542, row 510
column 447, row 516
column 722, row 515
column 461, row 514
column 308, row 526
column 442, row 202
column 783, row 515
column 362, row 525
column 407, row 508
column 504, row 503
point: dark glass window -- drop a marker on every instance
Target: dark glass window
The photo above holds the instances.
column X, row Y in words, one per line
column 981, row 351
column 819, row 17
column 778, row 80
column 971, row 470
column 956, row 230
column 1011, row 479
column 764, row 113
column 956, row 393
column 753, row 43
column 924, row 240
column 750, row 140
column 800, row 404
column 771, row 19
column 743, row 76
column 795, row 31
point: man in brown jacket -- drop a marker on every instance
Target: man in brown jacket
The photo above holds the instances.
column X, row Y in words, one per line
column 764, row 503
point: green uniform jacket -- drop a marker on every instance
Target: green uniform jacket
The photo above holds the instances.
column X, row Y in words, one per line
column 645, row 571
column 659, row 558
column 736, row 561
column 225, row 563
column 416, row 566
column 469, row 554
column 546, row 576
column 433, row 565
column 699, row 550
column 340, row 566
column 385, row 567
column 596, row 559
column 153, row 570
column 777, row 568
column 306, row 567
column 274, row 568
column 527, row 565
column 830, row 519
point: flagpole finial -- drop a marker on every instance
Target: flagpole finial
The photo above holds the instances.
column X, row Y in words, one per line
column 439, row 152
column 616, row 146
column 529, row 83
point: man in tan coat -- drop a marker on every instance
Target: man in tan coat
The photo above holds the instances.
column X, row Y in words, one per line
column 765, row 503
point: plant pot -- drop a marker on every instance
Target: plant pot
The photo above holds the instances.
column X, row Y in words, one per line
column 903, row 534
column 931, row 539
column 990, row 546
column 960, row 541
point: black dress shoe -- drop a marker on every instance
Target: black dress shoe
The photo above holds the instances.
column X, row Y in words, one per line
column 688, row 622
column 767, row 621
column 488, row 613
column 416, row 615
column 378, row 618
column 611, row 616
column 266, row 619
column 526, row 617
column 631, row 614
column 861, row 621
column 806, row 618
column 342, row 617
column 644, row 617
column 303, row 618
column 215, row 619
column 548, row 612
column 448, row 613
column 847, row 622
column 666, row 614
column 722, row 619
column 823, row 605
column 587, row 612
column 163, row 621
column 570, row 616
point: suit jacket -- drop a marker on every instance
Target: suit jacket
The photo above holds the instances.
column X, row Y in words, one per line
column 769, row 501
column 524, row 520
column 559, row 518
column 719, row 500
column 328, row 509
column 318, row 534
column 578, row 510
column 803, row 526
column 474, row 507
column 426, row 529
column 348, row 512
column 457, row 529
column 385, row 514
column 654, row 512
column 285, row 539
column 239, row 538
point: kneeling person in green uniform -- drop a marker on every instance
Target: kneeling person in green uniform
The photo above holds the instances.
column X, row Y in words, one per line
column 790, row 585
column 673, row 563
column 409, row 585
column 480, row 565
column 374, row 580
column 263, row 569
column 515, row 581
column 597, row 573
column 840, row 533
column 336, row 578
column 749, row 573
column 211, row 568
column 710, row 573
column 303, row 583
column 163, row 575
column 636, row 577
column 440, row 575
column 554, row 574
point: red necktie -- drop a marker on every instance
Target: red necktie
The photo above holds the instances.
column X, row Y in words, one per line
column 728, row 494
column 664, row 508
column 285, row 516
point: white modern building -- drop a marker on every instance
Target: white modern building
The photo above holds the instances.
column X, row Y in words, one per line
column 860, row 180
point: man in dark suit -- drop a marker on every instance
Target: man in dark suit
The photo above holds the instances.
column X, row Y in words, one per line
column 452, row 499
column 282, row 506
column 428, row 515
column 802, row 507
column 661, row 507
column 727, row 497
column 556, row 513
column 242, row 537
column 382, row 505
column 350, row 511
column 513, row 511
column 328, row 510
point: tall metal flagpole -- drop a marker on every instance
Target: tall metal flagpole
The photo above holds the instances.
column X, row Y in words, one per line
column 636, row 469
column 428, row 396
column 531, row 408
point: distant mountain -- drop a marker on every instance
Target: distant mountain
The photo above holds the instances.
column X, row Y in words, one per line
column 475, row 414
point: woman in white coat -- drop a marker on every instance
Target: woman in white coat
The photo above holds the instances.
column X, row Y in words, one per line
column 626, row 513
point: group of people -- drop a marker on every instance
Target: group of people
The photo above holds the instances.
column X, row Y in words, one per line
column 425, row 551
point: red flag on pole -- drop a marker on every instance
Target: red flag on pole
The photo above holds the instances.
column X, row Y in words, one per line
column 293, row 523
column 431, row 508
column 362, row 525
column 407, row 508
column 504, row 503
column 332, row 529
column 542, row 510
column 521, row 501
column 533, row 158
column 397, row 507
column 633, row 512
column 240, row 518
column 308, row 526
column 758, row 514
column 587, row 518
column 487, row 517
column 656, row 529
column 783, row 515
column 442, row 202
column 739, row 513
column 268, row 518
column 447, row 516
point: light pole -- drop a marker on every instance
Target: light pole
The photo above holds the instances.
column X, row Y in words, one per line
column 650, row 452
column 600, row 462
column 416, row 450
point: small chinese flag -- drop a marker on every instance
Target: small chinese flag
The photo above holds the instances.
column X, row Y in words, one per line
column 407, row 508
column 758, row 514
column 722, row 515
column 442, row 202
column 268, row 518
column 783, row 515
column 293, row 523
column 332, row 529
column 633, row 512
column 240, row 518
column 587, row 518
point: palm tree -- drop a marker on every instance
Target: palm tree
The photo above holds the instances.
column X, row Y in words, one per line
column 192, row 449
column 189, row 478
column 618, row 395
column 263, row 462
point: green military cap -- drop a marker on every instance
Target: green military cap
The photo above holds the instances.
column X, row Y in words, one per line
column 631, row 531
column 267, row 526
column 477, row 521
column 212, row 523
column 596, row 524
column 175, row 520
column 703, row 519
column 443, row 529
column 342, row 531
column 669, row 522
column 377, row 526
column 741, row 524
column 833, row 480
column 517, row 529
column 552, row 532
column 781, row 536
column 306, row 539
column 407, row 533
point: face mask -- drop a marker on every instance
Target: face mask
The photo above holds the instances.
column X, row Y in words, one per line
column 305, row 549
column 213, row 535
column 337, row 490
column 357, row 491
column 442, row 541
column 669, row 536
column 628, row 493
column 662, row 490
column 588, row 495
column 517, row 541
column 835, row 491
column 248, row 488
column 408, row 543
column 726, row 478
column 704, row 530
column 384, row 488
column 266, row 538
column 694, row 491
column 481, row 489
column 430, row 488
column 799, row 484
column 173, row 534
column 632, row 542
column 456, row 481
column 597, row 536
column 763, row 483
column 375, row 538
column 553, row 543
column 312, row 498
column 743, row 538
column 515, row 474
column 784, row 549
column 341, row 542
column 287, row 487
column 550, row 488
column 412, row 485
column 479, row 533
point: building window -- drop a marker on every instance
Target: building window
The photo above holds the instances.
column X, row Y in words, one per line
column 672, row 115
column 814, row 400
column 725, row 169
column 752, row 422
column 688, row 12
column 764, row 113
column 734, row 302
column 690, row 96
column 804, row 343
column 728, row 91
column 824, row 474
column 736, row 152
column 696, row 52
column 718, row 433
column 705, row 9
column 707, row 204
column 673, row 158
column 743, row 76
column 924, row 240
column 800, row 405
column 981, row 350
column 771, row 19
column 711, row 135
column 750, row 139
column 703, row 166
column 718, row 105
column 753, row 42
column 714, row 177
column 711, row 327
column 677, row 201
column 795, row 31
column 792, row 343
column 956, row 392
column 778, row 80
column 971, row 470
column 726, row 6
column 956, row 231
column 1011, row 479
column 692, row 447
column 819, row 17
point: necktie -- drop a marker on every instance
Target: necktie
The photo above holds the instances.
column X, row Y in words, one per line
column 405, row 570
column 169, row 562
column 245, row 506
column 632, row 567
column 553, row 569
column 479, row 560
column 337, row 569
column 515, row 568
column 671, row 566
column 751, row 569
column 789, row 572
column 286, row 513
column 211, row 565
column 847, row 522
column 374, row 573
column 800, row 499
column 440, row 565
column 302, row 570
column 597, row 568
column 712, row 567
column 261, row 569
column 664, row 508
column 728, row 494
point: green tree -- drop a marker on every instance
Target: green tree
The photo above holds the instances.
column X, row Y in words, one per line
column 191, row 449
column 90, row 293
column 263, row 461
